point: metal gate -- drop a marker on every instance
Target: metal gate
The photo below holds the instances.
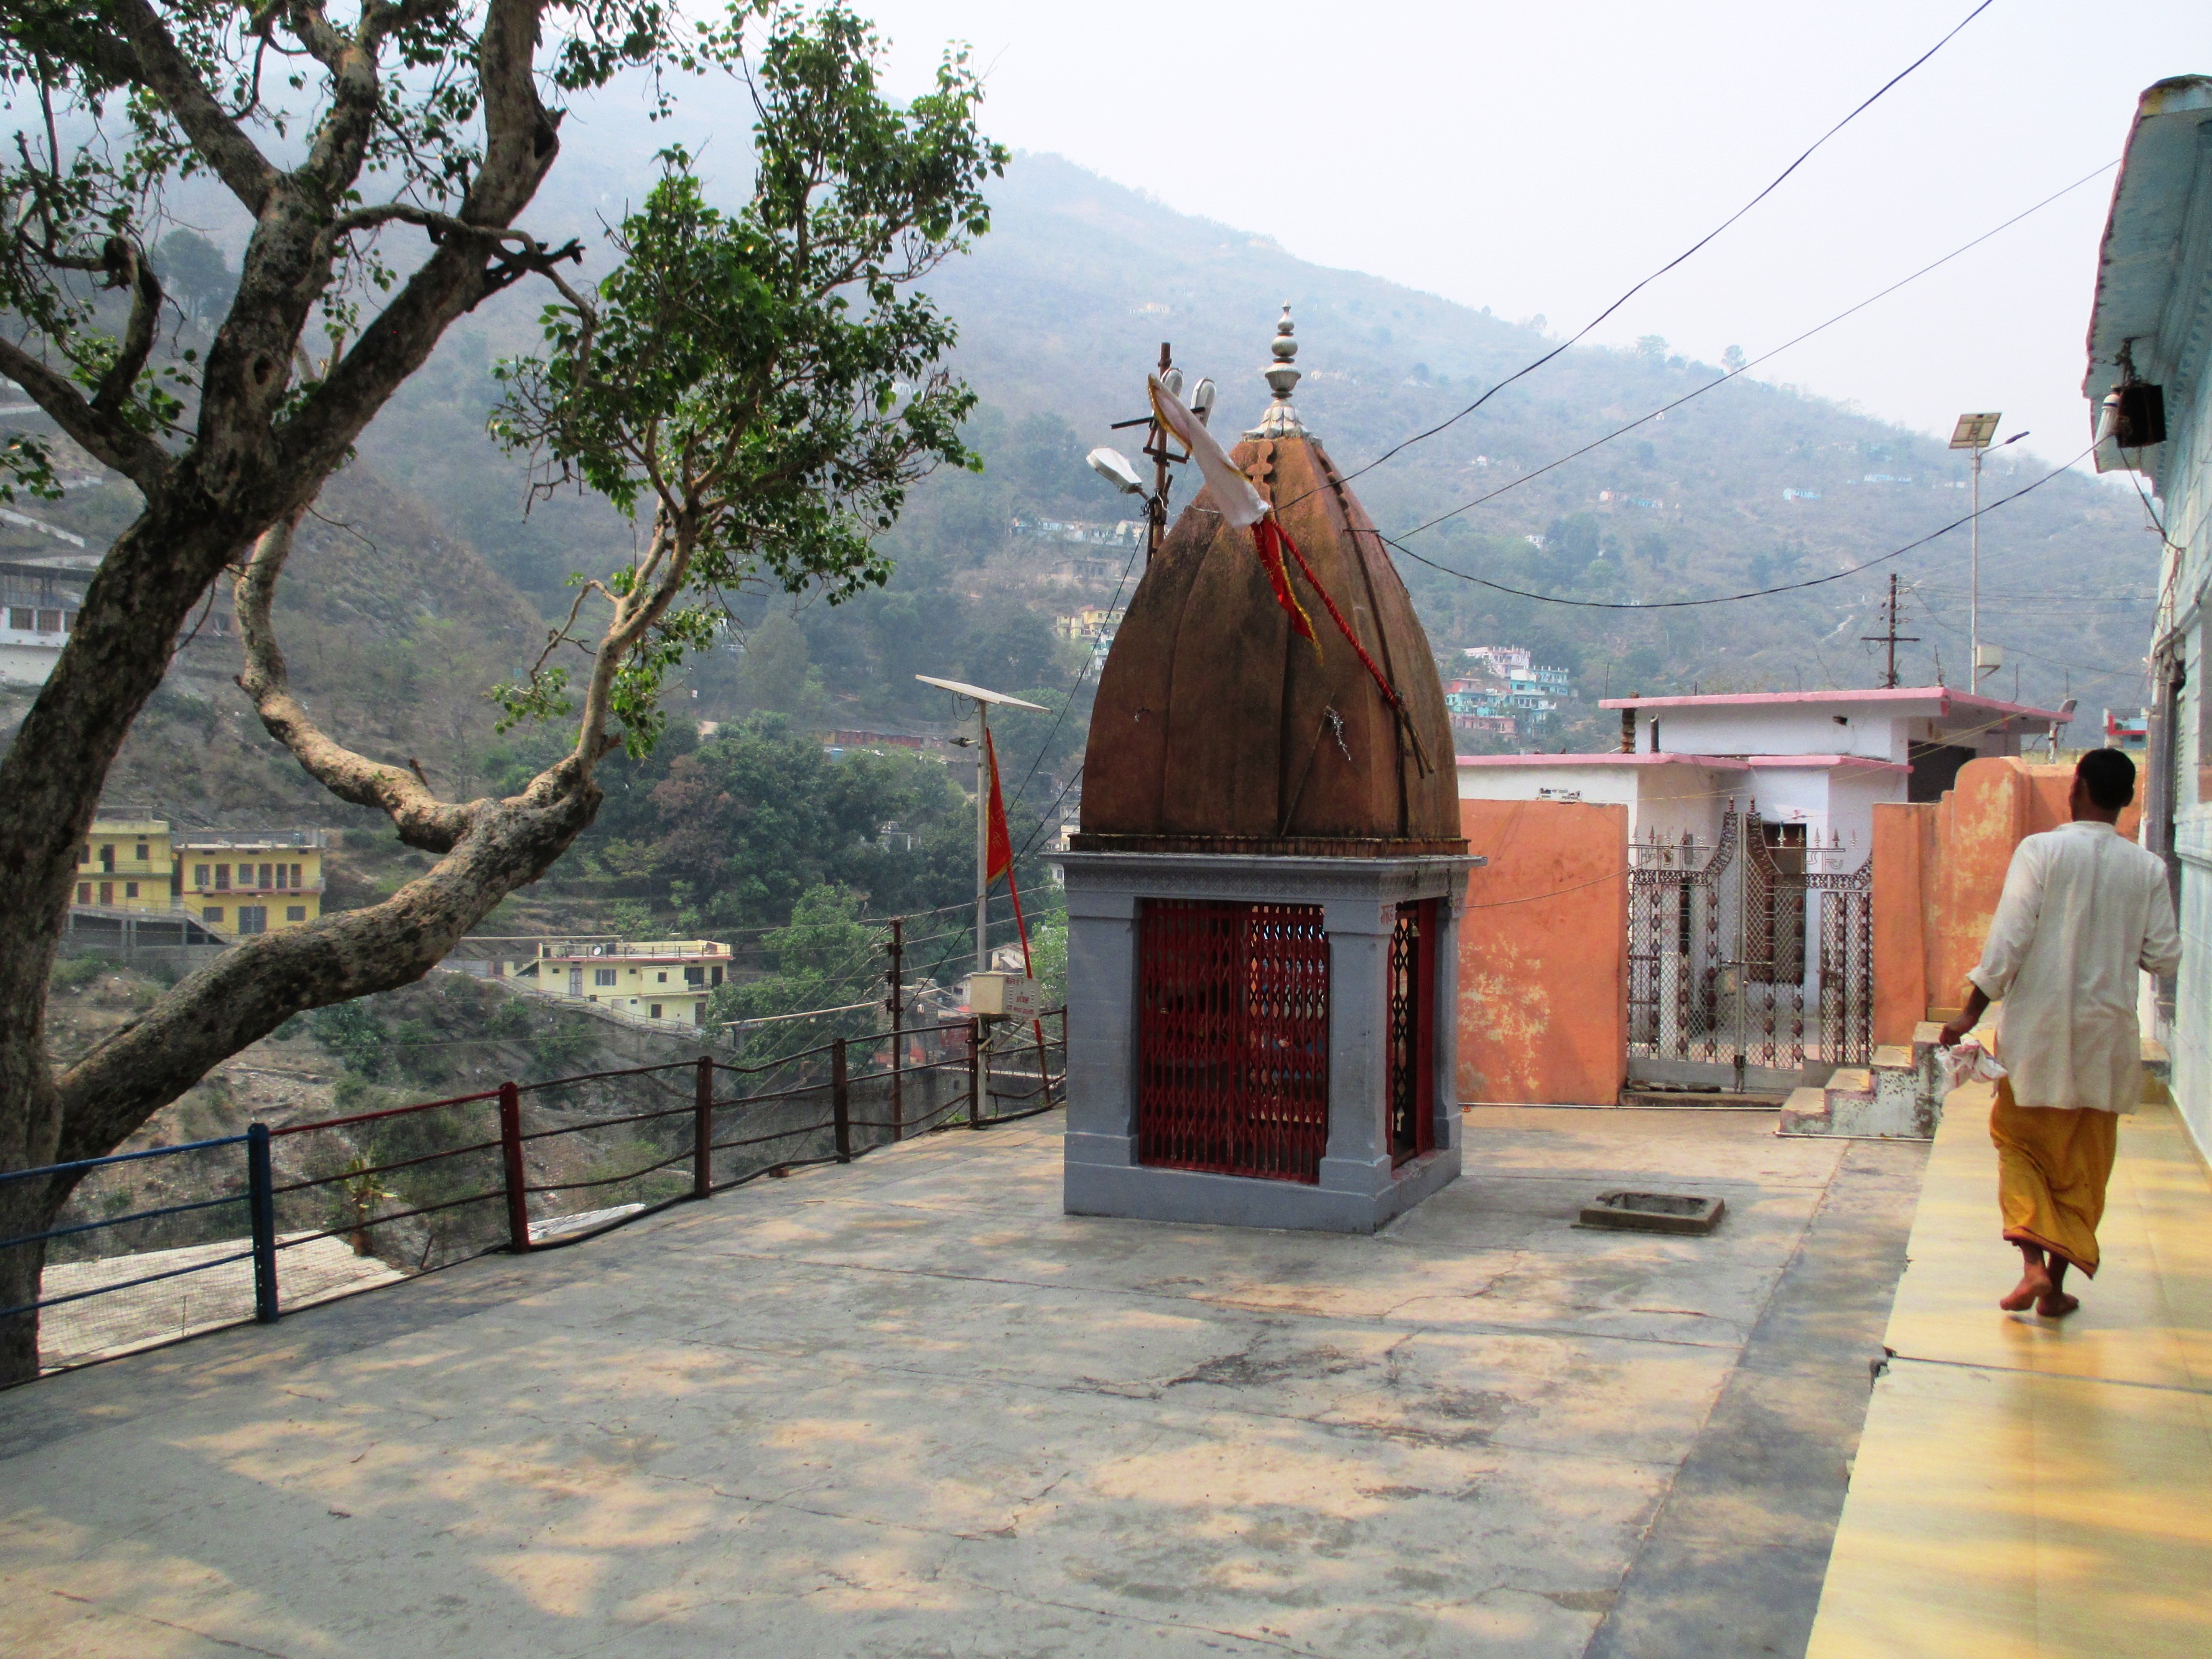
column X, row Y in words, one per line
column 1232, row 1037
column 1750, row 959
column 1413, row 981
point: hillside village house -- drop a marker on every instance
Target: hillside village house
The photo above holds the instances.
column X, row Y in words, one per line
column 1815, row 762
column 664, row 980
column 2147, row 345
column 126, row 864
column 38, row 603
column 253, row 881
column 235, row 882
column 1499, row 690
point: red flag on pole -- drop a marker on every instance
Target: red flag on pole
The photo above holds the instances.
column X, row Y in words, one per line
column 998, row 846
column 999, row 860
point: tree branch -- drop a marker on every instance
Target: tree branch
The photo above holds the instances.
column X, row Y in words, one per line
column 104, row 437
column 128, row 267
column 520, row 143
column 171, row 77
column 529, row 255
column 422, row 818
column 256, row 987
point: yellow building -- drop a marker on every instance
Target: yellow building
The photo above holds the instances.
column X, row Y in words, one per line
column 233, row 882
column 251, row 881
column 667, row 980
column 126, row 864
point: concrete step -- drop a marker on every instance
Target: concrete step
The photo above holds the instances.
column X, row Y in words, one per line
column 1805, row 1112
column 1851, row 1081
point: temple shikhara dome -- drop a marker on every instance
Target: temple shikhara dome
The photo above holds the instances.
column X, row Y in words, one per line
column 1220, row 728
column 1263, row 899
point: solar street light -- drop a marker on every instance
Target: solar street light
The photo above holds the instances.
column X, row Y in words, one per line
column 1975, row 431
column 1113, row 466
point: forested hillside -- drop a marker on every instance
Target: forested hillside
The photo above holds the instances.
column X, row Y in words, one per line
column 426, row 579
column 1751, row 485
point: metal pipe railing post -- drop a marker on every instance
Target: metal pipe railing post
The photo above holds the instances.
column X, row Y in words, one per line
column 510, row 1153
column 841, row 1102
column 702, row 1130
column 261, row 1205
column 975, row 1070
column 898, row 1028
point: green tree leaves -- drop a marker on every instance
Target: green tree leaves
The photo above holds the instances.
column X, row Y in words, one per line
column 764, row 384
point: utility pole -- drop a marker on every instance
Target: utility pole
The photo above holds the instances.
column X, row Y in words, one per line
column 1889, row 635
column 1117, row 469
column 898, row 1004
column 1156, row 446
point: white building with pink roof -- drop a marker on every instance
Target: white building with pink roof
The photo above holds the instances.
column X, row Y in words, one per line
column 1817, row 761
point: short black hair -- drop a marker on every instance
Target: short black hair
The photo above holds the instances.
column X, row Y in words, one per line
column 2109, row 777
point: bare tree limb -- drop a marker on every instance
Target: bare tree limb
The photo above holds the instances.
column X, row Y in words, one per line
column 104, row 437
column 128, row 267
column 236, row 158
column 422, row 818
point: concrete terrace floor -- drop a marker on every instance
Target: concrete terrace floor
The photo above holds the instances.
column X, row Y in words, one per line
column 910, row 1408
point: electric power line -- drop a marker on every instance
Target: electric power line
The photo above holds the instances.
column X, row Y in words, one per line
column 1765, row 357
column 1774, row 185
column 1732, row 598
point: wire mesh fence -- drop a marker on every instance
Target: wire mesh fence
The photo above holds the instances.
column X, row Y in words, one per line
column 154, row 1245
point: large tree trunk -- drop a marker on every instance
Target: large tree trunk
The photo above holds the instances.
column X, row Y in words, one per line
column 254, row 460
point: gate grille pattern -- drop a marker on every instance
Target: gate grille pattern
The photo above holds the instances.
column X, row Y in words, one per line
column 1676, row 894
column 1719, row 972
column 1413, row 1128
column 1232, row 1042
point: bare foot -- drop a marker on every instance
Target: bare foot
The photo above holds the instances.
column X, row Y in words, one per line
column 2034, row 1287
column 2057, row 1304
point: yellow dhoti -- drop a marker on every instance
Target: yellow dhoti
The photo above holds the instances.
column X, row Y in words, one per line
column 2052, row 1165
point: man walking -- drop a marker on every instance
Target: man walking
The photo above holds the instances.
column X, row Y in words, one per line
column 2082, row 912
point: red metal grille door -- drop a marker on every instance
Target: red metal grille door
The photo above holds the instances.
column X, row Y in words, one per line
column 1413, row 1055
column 1232, row 1043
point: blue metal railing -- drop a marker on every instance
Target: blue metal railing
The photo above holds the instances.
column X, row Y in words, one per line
column 258, row 1195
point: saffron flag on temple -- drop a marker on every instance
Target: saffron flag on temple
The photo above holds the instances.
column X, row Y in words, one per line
column 1239, row 503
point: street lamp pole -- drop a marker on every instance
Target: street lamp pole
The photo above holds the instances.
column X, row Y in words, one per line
column 1974, row 591
column 1973, row 433
column 983, row 836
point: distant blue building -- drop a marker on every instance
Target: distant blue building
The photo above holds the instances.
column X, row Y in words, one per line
column 2151, row 327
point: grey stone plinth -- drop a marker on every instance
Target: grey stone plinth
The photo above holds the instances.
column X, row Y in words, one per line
column 1358, row 1189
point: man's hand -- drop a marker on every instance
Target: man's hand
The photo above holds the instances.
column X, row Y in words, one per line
column 1978, row 1004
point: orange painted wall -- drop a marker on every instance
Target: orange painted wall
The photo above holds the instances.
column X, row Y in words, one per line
column 1939, row 869
column 1543, row 980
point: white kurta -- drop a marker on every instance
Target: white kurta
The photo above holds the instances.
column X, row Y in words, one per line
column 2083, row 911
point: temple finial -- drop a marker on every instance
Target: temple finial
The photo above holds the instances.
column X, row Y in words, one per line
column 1281, row 419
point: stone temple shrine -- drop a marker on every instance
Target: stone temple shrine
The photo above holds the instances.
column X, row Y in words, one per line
column 1263, row 898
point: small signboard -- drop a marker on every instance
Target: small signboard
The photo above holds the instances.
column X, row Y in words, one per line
column 1004, row 996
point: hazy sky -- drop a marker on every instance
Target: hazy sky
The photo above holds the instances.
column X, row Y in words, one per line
column 1542, row 158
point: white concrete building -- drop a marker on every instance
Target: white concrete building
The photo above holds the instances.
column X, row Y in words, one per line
column 38, row 601
column 1816, row 759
